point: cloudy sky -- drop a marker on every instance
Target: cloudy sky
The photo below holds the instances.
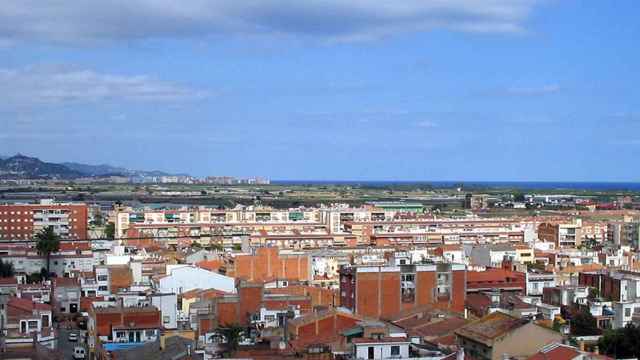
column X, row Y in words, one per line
column 332, row 89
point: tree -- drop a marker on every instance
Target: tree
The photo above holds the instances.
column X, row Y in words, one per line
column 231, row 334
column 6, row 269
column 584, row 324
column 110, row 231
column 518, row 196
column 215, row 246
column 47, row 242
column 621, row 343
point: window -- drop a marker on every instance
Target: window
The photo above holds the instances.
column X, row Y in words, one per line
column 627, row 312
column 150, row 333
column 395, row 350
column 408, row 288
column 120, row 334
column 371, row 352
column 103, row 278
column 166, row 319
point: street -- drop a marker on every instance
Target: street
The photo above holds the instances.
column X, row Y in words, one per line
column 66, row 346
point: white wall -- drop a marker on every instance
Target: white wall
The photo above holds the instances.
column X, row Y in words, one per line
column 381, row 351
column 168, row 306
column 188, row 278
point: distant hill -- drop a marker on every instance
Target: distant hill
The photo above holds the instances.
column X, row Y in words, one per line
column 96, row 170
column 25, row 167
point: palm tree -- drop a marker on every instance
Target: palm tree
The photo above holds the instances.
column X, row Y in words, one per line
column 47, row 242
column 232, row 334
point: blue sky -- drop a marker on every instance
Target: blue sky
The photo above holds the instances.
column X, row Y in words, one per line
column 353, row 90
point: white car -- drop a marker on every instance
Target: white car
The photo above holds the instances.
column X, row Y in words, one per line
column 78, row 352
column 73, row 337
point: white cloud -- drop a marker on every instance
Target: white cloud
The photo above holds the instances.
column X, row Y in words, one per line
column 56, row 85
column 88, row 21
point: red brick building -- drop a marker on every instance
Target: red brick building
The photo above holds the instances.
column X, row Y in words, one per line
column 268, row 264
column 611, row 286
column 22, row 221
column 238, row 308
column 320, row 327
column 383, row 291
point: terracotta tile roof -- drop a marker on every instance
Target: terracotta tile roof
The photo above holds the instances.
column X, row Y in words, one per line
column 488, row 328
column 211, row 265
column 438, row 328
column 8, row 281
column 556, row 352
column 65, row 282
column 74, row 245
column 27, row 305
column 493, row 275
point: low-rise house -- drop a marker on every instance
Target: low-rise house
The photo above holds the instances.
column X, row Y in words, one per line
column 117, row 327
column 39, row 292
column 66, row 295
column 320, row 328
column 626, row 313
column 548, row 312
column 27, row 320
column 8, row 286
column 565, row 295
column 537, row 281
column 499, row 335
column 381, row 348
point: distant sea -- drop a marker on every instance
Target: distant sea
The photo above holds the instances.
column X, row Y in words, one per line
column 523, row 185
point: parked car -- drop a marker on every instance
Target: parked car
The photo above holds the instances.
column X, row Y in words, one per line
column 78, row 352
column 73, row 337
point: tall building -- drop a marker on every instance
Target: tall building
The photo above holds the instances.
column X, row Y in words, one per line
column 23, row 221
column 624, row 233
column 476, row 201
column 383, row 291
column 563, row 235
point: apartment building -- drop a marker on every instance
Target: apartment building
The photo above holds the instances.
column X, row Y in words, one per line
column 23, row 221
column 270, row 263
column 476, row 201
column 624, row 233
column 383, row 291
column 565, row 235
